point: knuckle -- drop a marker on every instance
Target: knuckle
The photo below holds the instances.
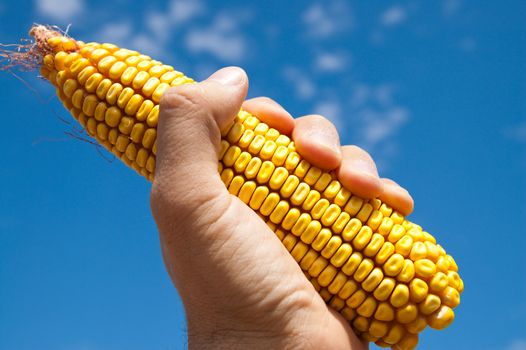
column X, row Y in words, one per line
column 184, row 98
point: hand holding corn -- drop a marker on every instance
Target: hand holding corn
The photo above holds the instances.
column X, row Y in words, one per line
column 240, row 287
column 384, row 275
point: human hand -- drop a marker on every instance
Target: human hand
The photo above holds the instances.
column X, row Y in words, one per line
column 240, row 287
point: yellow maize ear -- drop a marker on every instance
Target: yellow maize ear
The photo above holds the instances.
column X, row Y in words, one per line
column 384, row 274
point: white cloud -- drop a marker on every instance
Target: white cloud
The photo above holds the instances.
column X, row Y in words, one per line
column 60, row 10
column 468, row 44
column 330, row 62
column 393, row 16
column 331, row 110
column 518, row 345
column 322, row 20
column 379, row 125
column 116, row 32
column 223, row 39
column 450, row 7
column 182, row 11
column 516, row 132
column 302, row 84
column 179, row 12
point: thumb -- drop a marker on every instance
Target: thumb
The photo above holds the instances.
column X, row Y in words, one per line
column 190, row 120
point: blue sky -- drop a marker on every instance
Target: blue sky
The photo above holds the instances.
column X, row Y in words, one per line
column 436, row 91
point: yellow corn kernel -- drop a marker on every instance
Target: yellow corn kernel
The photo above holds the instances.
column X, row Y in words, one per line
column 417, row 326
column 386, row 251
column 265, row 172
column 327, row 275
column 450, row 297
column 408, row 342
column 312, row 198
column 424, row 268
column 430, row 304
column 361, row 324
column 351, row 229
column 375, row 244
column 289, row 186
column 393, row 266
column 418, row 290
column 279, row 211
column 362, row 238
column 341, row 255
column 336, row 303
column 394, row 335
column 352, row 263
column 337, row 283
column 318, row 266
column 407, row 273
column 373, row 280
column 407, row 313
column 368, row 307
column 439, row 282
column 384, row 312
column 363, row 270
column 441, row 318
column 319, row 208
column 400, row 295
column 258, row 197
column 348, row 289
column 311, row 231
column 278, row 178
column 378, row 329
column 403, row 245
column 299, row 251
column 332, row 245
column 341, row 221
column 375, row 219
column 356, row 299
column 246, row 191
column 308, row 259
column 384, row 289
column 301, row 224
column 252, row 169
column 289, row 241
column 290, row 219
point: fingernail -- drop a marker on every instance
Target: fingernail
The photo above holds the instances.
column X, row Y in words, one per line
column 228, row 76
column 364, row 167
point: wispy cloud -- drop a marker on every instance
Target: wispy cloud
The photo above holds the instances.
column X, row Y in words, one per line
column 332, row 110
column 516, row 132
column 115, row 32
column 223, row 39
column 468, row 44
column 393, row 16
column 322, row 20
column 302, row 84
column 60, row 10
column 450, row 7
column 519, row 344
column 372, row 115
column 331, row 62
column 381, row 123
column 178, row 13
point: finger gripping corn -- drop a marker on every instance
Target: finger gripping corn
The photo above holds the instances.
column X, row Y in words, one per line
column 384, row 274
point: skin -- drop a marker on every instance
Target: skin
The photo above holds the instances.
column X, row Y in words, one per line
column 239, row 286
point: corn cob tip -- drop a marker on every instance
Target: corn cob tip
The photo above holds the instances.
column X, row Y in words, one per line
column 29, row 54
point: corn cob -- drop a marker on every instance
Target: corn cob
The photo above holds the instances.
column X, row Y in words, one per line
column 384, row 274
